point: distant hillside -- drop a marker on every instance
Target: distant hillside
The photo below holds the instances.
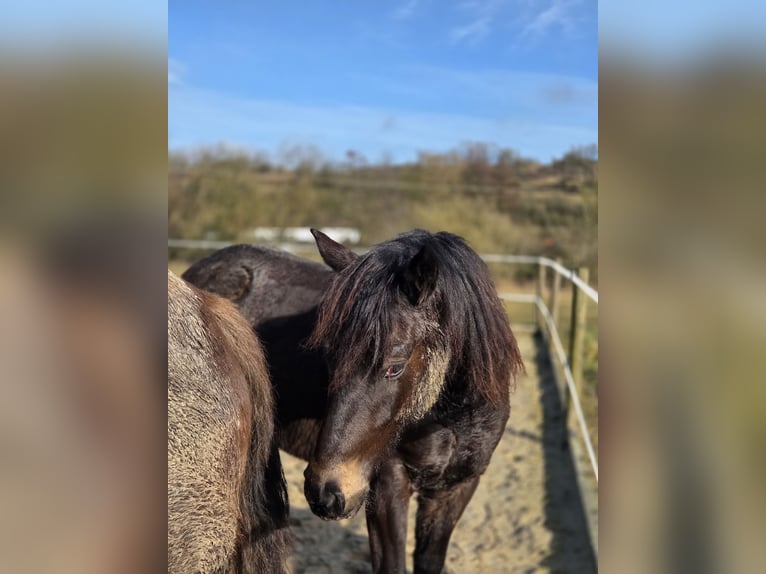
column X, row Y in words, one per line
column 497, row 200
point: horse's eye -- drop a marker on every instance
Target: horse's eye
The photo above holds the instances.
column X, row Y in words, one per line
column 394, row 371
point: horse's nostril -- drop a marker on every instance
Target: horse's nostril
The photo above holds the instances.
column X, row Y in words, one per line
column 325, row 498
column 333, row 499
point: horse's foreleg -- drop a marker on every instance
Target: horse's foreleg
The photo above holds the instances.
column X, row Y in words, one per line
column 438, row 513
column 387, row 518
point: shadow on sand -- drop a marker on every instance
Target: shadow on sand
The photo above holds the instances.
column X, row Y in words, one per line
column 564, row 515
column 312, row 538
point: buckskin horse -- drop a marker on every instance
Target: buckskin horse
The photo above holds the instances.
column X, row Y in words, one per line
column 227, row 499
column 392, row 372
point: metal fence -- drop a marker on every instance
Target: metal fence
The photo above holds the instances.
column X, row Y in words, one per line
column 569, row 361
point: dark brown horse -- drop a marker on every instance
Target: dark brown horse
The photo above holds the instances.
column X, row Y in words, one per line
column 227, row 501
column 392, row 372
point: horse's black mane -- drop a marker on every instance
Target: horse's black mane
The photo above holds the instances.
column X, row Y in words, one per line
column 355, row 315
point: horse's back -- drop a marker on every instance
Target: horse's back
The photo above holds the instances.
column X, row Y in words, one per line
column 265, row 283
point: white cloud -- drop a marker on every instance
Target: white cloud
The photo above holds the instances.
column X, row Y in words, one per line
column 406, row 10
column 176, row 73
column 557, row 14
column 472, row 32
column 529, row 18
column 481, row 15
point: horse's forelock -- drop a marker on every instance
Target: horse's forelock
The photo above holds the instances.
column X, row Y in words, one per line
column 355, row 320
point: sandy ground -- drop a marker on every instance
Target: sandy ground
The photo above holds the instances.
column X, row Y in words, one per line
column 526, row 516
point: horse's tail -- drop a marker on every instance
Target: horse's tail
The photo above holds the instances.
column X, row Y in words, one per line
column 266, row 537
column 266, row 547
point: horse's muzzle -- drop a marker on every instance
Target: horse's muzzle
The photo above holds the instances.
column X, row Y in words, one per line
column 328, row 501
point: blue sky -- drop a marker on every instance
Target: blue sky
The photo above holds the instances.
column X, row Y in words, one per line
column 383, row 78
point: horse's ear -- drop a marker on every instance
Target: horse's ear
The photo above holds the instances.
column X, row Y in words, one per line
column 334, row 254
column 420, row 275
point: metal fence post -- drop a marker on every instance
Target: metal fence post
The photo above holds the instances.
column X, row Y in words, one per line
column 540, row 292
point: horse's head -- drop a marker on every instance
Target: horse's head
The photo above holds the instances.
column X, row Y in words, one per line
column 379, row 325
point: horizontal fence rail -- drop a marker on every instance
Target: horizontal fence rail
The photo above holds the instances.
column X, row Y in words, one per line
column 570, row 274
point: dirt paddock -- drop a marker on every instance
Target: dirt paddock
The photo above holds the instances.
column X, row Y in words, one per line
column 526, row 516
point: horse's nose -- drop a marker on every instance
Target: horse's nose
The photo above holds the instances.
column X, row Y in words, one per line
column 326, row 500
column 332, row 501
